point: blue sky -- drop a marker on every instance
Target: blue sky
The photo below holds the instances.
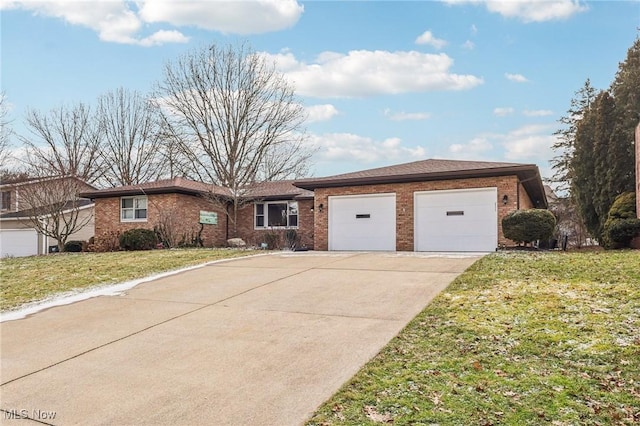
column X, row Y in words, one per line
column 384, row 82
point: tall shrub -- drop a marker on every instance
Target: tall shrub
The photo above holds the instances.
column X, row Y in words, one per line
column 525, row 226
column 621, row 225
column 138, row 239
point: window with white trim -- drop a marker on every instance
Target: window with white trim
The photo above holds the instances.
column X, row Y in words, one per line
column 6, row 200
column 133, row 209
column 276, row 214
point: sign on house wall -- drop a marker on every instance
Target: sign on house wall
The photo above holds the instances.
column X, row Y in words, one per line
column 208, row 218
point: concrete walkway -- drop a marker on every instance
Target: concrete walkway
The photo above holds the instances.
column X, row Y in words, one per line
column 253, row 341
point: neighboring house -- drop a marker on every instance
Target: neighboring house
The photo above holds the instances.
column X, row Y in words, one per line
column 18, row 237
column 177, row 206
column 430, row 205
column 569, row 224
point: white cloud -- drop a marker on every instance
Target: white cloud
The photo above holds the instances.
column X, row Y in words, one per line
column 530, row 10
column 121, row 21
column 474, row 29
column 162, row 37
column 320, row 112
column 350, row 147
column 365, row 73
column 518, row 78
column 232, row 17
column 428, row 38
column 529, row 142
column 503, row 112
column 404, row 116
column 537, row 113
column 472, row 150
column 469, row 45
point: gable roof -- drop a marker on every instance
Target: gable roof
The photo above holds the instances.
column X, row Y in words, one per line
column 278, row 189
column 38, row 180
column 283, row 189
column 434, row 169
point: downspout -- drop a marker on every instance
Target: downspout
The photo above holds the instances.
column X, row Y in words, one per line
column 43, row 238
column 227, row 222
column 518, row 195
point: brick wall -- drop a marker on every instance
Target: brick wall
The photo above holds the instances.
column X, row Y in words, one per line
column 507, row 185
column 183, row 211
column 253, row 237
column 636, row 241
column 638, row 170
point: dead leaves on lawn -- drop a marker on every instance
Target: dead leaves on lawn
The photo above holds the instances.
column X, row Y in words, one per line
column 522, row 338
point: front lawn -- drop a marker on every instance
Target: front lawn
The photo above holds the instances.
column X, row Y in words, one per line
column 519, row 339
column 28, row 279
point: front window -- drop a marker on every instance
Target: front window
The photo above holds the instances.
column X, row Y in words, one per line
column 276, row 214
column 133, row 209
column 6, row 200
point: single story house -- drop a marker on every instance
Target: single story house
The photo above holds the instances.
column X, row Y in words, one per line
column 185, row 210
column 429, row 205
column 18, row 236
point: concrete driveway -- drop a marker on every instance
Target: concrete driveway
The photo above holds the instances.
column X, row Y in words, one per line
column 253, row 341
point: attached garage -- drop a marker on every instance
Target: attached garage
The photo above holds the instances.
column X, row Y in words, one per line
column 364, row 222
column 429, row 205
column 18, row 242
column 456, row 220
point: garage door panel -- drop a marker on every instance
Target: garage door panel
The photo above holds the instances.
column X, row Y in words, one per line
column 18, row 242
column 456, row 220
column 365, row 222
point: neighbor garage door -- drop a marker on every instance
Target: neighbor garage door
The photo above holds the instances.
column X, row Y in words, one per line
column 362, row 222
column 456, row 220
column 18, row 242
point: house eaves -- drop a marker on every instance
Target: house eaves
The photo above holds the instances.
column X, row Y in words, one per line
column 26, row 214
column 528, row 175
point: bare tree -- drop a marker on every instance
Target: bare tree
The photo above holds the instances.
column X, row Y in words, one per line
column 65, row 142
column 232, row 114
column 132, row 149
column 5, row 133
column 54, row 208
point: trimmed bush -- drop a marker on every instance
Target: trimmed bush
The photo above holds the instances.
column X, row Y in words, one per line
column 623, row 207
column 620, row 232
column 138, row 239
column 525, row 226
column 621, row 225
column 273, row 240
column 73, row 246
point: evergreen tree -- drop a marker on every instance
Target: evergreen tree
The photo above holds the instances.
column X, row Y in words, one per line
column 626, row 92
column 605, row 190
column 582, row 165
column 599, row 165
column 565, row 137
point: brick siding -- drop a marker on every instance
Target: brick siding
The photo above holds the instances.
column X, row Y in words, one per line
column 253, row 237
column 507, row 185
column 187, row 210
column 184, row 210
column 635, row 243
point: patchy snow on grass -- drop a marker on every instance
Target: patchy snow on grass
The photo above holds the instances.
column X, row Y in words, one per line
column 70, row 297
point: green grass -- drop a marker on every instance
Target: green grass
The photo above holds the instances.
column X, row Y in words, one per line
column 28, row 279
column 518, row 339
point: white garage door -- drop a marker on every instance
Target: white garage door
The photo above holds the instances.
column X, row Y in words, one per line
column 18, row 242
column 362, row 222
column 456, row 220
